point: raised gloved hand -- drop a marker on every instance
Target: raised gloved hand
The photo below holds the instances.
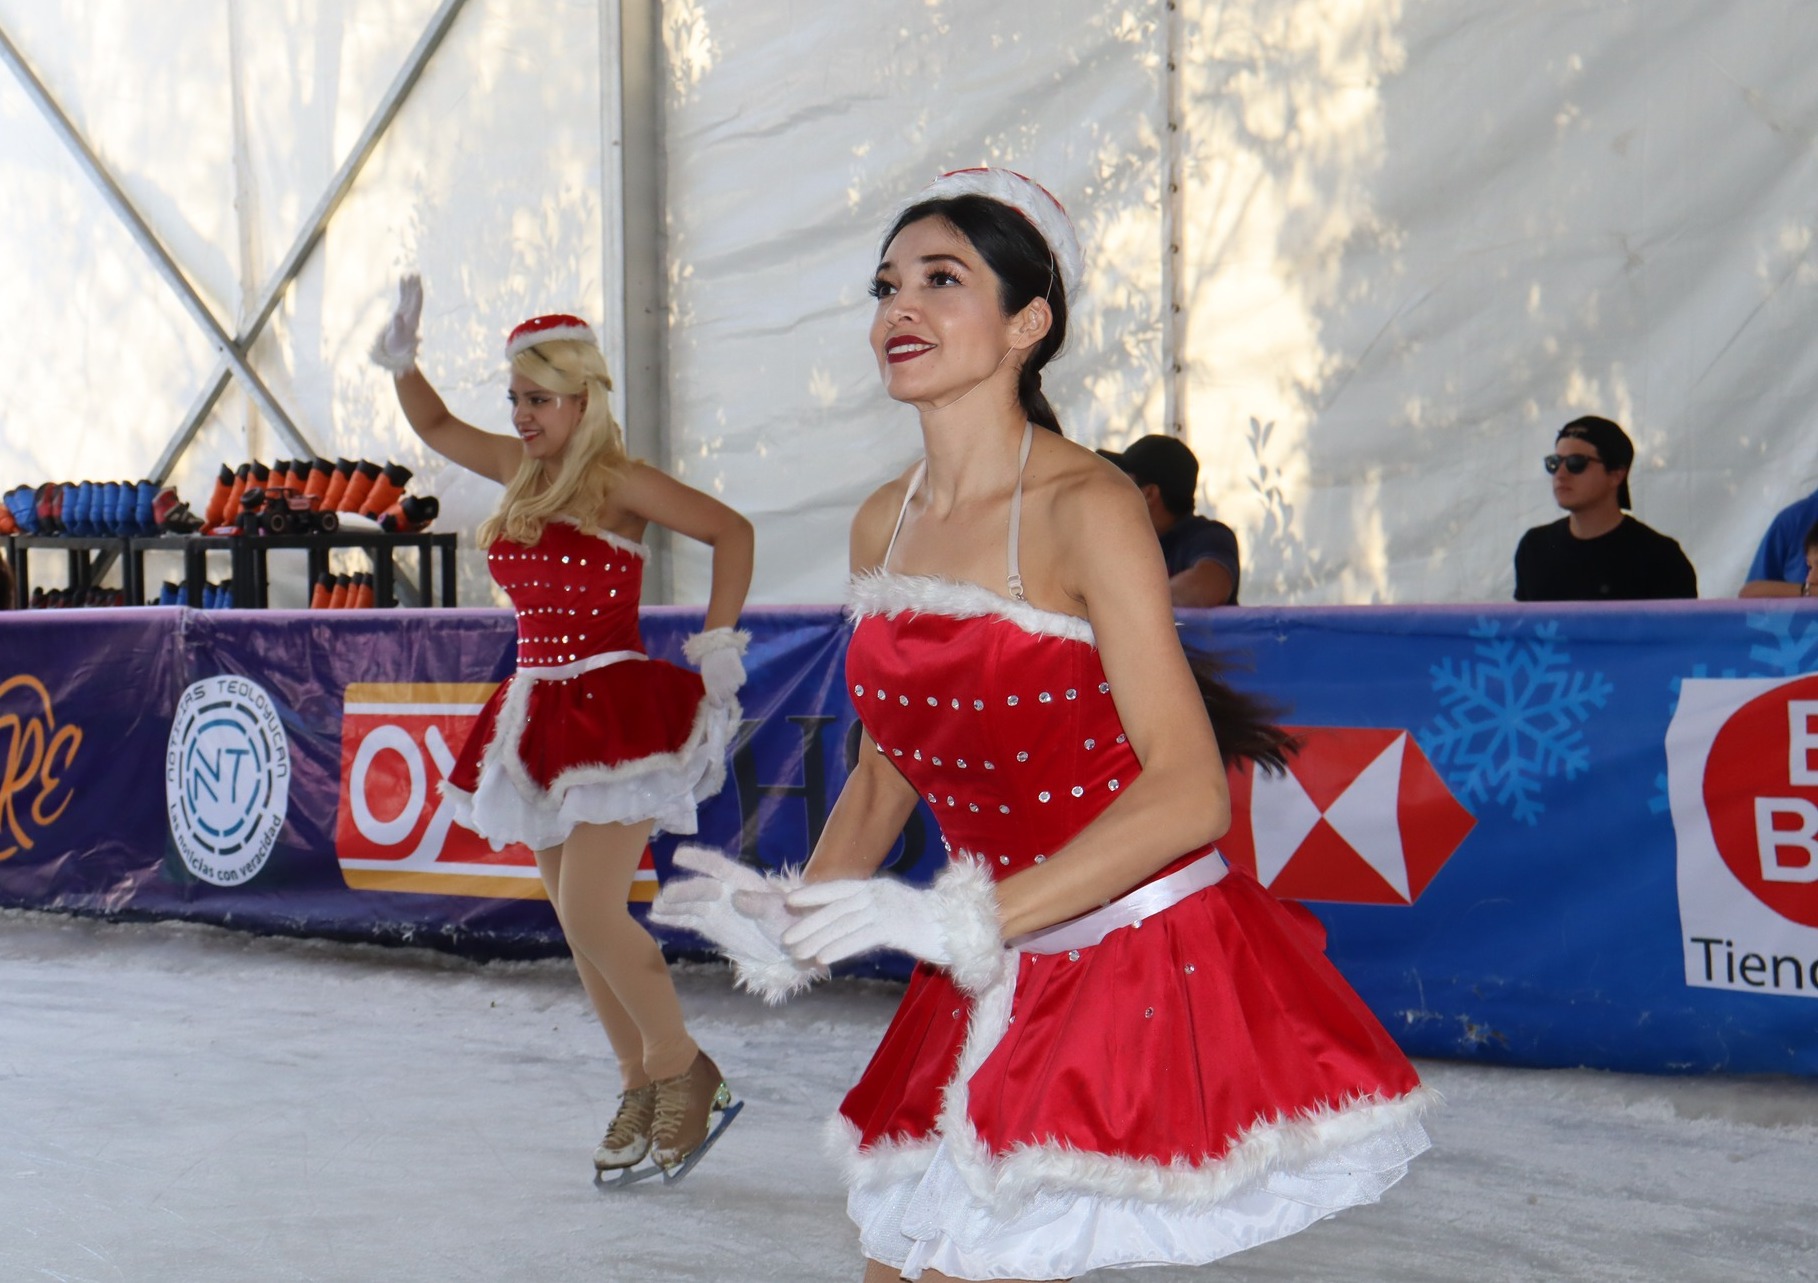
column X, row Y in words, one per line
column 952, row 924
column 718, row 654
column 742, row 912
column 396, row 346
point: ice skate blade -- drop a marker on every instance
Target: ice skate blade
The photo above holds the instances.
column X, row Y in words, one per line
column 671, row 1175
column 618, row 1178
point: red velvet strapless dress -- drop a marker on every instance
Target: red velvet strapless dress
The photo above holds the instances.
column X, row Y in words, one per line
column 1197, row 1082
column 589, row 729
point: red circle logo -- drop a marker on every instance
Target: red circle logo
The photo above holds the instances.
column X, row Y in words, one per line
column 1761, row 794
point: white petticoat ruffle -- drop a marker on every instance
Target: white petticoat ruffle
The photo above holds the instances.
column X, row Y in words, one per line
column 508, row 806
column 934, row 1222
column 1050, row 1211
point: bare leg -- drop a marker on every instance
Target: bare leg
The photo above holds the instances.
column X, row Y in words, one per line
column 621, row 1029
column 621, row 967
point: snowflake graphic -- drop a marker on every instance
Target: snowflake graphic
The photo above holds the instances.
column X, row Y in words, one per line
column 1785, row 655
column 1512, row 718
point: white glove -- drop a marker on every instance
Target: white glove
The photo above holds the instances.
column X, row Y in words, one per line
column 396, row 346
column 952, row 924
column 742, row 912
column 717, row 653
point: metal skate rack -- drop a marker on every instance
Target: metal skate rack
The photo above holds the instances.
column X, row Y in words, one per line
column 89, row 558
column 435, row 579
column 248, row 556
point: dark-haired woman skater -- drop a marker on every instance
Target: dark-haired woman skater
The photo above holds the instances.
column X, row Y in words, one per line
column 1115, row 1050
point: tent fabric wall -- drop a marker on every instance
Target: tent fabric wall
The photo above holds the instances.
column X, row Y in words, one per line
column 1413, row 237
column 1427, row 234
column 792, row 136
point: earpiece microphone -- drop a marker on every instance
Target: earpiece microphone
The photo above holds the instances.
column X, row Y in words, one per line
column 969, row 391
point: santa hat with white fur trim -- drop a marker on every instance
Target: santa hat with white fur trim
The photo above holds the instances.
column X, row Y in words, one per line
column 1028, row 198
column 547, row 329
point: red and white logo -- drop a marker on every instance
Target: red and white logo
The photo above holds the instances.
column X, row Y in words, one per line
column 394, row 830
column 1742, row 775
column 1360, row 817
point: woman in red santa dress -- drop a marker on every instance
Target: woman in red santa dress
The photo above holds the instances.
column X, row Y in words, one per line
column 1114, row 1050
column 591, row 745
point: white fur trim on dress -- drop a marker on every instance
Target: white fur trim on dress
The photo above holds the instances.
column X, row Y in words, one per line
column 697, row 646
column 886, row 593
column 508, row 806
column 1269, row 1147
column 879, row 1165
column 620, row 542
column 965, row 906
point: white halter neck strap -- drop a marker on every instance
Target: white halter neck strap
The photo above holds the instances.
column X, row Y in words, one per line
column 1016, row 512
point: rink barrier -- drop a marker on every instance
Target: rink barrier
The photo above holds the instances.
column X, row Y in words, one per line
column 1540, row 836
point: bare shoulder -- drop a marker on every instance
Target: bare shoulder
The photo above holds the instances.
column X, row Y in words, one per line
column 875, row 521
column 1100, row 546
column 1091, row 499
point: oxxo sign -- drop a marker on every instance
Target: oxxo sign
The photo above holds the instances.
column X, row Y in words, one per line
column 1742, row 772
column 394, row 831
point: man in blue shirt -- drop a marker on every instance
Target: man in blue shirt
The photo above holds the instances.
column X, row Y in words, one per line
column 1201, row 553
column 1779, row 568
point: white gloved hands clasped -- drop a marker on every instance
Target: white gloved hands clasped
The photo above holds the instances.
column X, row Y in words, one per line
column 742, row 912
column 718, row 653
column 396, row 346
column 952, row 924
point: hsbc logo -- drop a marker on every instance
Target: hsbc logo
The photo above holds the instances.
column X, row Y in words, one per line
column 394, row 831
column 1742, row 777
column 1360, row 817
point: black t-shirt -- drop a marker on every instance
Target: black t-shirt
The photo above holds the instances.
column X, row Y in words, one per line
column 1193, row 539
column 1633, row 562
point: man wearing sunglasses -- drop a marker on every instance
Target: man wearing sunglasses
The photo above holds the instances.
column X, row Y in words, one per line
column 1597, row 552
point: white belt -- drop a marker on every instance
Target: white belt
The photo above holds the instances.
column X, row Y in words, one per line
column 1145, row 902
column 556, row 672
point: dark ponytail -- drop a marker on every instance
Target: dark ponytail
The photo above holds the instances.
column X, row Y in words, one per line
column 1026, row 270
column 1245, row 724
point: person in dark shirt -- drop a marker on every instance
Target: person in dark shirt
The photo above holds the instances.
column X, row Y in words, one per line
column 1597, row 552
column 1201, row 553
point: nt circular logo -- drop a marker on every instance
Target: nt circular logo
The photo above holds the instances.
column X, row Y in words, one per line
column 226, row 779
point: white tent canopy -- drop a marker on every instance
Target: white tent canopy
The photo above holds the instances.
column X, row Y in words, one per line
column 1366, row 255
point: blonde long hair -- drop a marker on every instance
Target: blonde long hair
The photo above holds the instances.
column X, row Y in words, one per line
column 592, row 463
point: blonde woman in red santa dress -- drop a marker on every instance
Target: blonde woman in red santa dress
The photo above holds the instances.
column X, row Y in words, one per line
column 591, row 745
column 1114, row 1050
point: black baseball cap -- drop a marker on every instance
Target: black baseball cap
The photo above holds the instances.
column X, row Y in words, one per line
column 1164, row 462
column 1611, row 443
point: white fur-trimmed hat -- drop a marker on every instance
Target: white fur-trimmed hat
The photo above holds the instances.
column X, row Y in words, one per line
column 547, row 329
column 1028, row 198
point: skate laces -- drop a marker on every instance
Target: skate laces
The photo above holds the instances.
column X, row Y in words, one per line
column 679, row 1097
column 634, row 1119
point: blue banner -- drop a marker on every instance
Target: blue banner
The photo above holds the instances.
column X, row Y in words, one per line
column 1548, row 836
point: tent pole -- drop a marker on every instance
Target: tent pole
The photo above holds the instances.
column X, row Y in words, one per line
column 314, row 227
column 148, row 241
column 1174, row 317
column 644, row 259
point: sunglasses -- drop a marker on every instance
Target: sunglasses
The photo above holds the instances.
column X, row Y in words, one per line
column 1572, row 463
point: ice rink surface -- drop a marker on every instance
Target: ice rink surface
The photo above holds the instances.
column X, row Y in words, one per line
column 183, row 1103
